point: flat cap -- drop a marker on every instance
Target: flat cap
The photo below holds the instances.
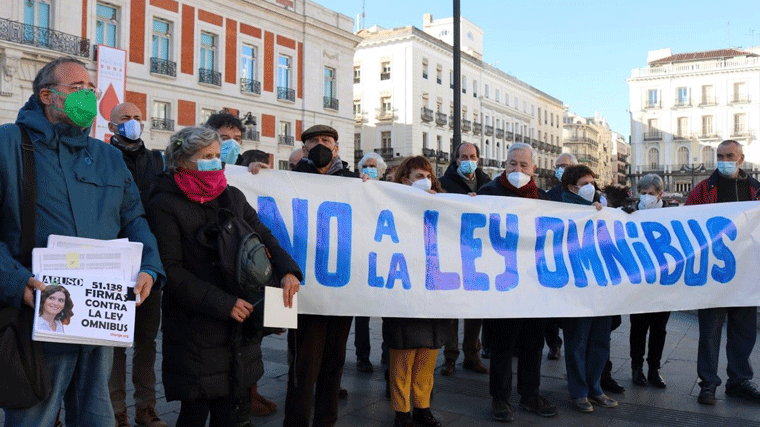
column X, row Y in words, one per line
column 317, row 130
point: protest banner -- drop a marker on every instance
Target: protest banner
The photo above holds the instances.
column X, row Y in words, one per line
column 383, row 249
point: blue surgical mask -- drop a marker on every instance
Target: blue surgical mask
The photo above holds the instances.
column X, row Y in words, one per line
column 559, row 172
column 230, row 151
column 370, row 171
column 467, row 167
column 131, row 129
column 727, row 169
column 209, row 164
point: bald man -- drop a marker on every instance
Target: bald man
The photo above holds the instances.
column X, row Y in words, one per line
column 127, row 125
column 563, row 160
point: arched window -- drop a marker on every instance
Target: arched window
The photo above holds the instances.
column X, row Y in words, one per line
column 708, row 156
column 683, row 156
column 653, row 158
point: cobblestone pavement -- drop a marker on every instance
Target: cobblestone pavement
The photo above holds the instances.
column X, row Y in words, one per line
column 462, row 399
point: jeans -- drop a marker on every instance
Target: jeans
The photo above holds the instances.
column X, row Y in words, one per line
column 528, row 335
column 741, row 334
column 587, row 349
column 655, row 323
column 361, row 338
column 93, row 369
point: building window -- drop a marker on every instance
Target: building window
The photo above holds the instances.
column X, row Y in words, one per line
column 682, row 130
column 653, row 157
column 162, row 39
column 439, row 142
column 683, row 156
column 707, row 125
column 357, row 107
column 475, row 88
column 740, row 92
column 424, row 140
column 424, row 68
column 357, row 142
column 740, row 124
column 208, row 51
column 357, row 74
column 106, row 24
column 439, row 75
column 283, row 165
column 708, row 156
column 285, row 78
column 205, row 114
column 385, row 140
column 161, row 117
column 249, row 81
column 385, row 103
column 486, row 91
column 708, row 97
column 506, row 99
column 464, row 84
column 331, row 92
column 682, row 96
column 286, row 135
column 652, row 98
column 385, row 70
column 497, row 96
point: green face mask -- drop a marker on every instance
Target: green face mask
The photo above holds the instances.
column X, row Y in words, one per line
column 80, row 107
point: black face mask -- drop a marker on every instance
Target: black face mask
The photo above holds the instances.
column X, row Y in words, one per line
column 320, row 155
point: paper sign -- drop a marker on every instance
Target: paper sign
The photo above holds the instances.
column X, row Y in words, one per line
column 276, row 315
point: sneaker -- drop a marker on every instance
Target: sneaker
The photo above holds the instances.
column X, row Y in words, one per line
column 554, row 353
column 476, row 366
column 539, row 405
column 122, row 420
column 583, row 405
column 404, row 419
column 604, row 401
column 707, row 395
column 746, row 390
column 364, row 365
column 147, row 417
column 501, row 410
column 424, row 418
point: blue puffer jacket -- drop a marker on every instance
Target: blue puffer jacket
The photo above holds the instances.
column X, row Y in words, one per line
column 84, row 189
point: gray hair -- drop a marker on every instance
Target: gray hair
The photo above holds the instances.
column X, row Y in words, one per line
column 185, row 143
column 523, row 146
column 731, row 141
column 650, row 180
column 46, row 76
column 573, row 159
column 381, row 165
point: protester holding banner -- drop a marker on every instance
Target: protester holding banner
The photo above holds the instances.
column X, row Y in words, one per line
column 127, row 125
column 587, row 339
column 318, row 346
column 206, row 360
column 414, row 342
column 728, row 183
column 650, row 188
column 524, row 335
column 464, row 176
column 84, row 190
column 55, row 309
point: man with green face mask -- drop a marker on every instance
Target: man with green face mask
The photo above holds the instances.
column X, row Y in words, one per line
column 84, row 189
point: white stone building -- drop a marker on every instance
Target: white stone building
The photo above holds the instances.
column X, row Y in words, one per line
column 403, row 99
column 281, row 65
column 592, row 141
column 683, row 105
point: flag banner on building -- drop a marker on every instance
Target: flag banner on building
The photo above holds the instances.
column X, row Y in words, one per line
column 385, row 249
column 112, row 77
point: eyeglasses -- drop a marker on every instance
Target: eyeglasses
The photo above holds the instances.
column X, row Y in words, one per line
column 76, row 87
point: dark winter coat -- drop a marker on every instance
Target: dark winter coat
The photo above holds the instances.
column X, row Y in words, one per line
column 495, row 188
column 307, row 167
column 145, row 166
column 409, row 333
column 204, row 353
column 707, row 191
column 452, row 182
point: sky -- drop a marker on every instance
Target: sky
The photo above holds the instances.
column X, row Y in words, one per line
column 580, row 52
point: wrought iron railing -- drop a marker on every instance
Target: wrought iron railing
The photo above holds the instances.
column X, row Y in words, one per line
column 440, row 118
column 163, row 66
column 286, row 93
column 331, row 103
column 510, row 135
column 428, row 152
column 251, row 135
column 489, row 130
column 385, row 152
column 285, row 140
column 477, row 128
column 250, row 86
column 209, row 77
column 652, row 136
column 426, row 114
column 18, row 32
column 385, row 76
column 499, row 133
column 162, row 124
column 382, row 114
column 466, row 125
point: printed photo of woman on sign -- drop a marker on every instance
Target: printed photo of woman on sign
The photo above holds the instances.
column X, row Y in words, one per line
column 55, row 309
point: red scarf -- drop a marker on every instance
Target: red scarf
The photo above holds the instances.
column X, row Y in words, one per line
column 200, row 186
column 528, row 191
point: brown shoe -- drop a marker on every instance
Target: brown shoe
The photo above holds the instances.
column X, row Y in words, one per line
column 448, row 368
column 261, row 406
column 476, row 366
column 147, row 417
column 122, row 420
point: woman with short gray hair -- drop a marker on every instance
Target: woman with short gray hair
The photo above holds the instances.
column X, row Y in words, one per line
column 211, row 343
column 650, row 189
column 372, row 165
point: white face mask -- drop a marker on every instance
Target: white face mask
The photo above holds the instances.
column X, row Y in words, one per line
column 518, row 179
column 423, row 184
column 588, row 192
column 647, row 201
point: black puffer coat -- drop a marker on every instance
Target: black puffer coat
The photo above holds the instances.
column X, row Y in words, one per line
column 452, row 182
column 204, row 353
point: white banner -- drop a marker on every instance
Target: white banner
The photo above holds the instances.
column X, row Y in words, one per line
column 112, row 70
column 385, row 249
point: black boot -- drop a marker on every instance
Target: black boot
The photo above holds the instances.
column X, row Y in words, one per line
column 608, row 383
column 425, row 418
column 404, row 419
column 637, row 374
column 655, row 378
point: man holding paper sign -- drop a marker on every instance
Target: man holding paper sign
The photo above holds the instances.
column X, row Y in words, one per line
column 83, row 189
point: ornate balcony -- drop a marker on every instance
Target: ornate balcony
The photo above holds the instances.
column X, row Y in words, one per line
column 466, row 125
column 162, row 124
column 285, row 140
column 385, row 152
column 17, row 32
column 428, row 152
column 382, row 115
column 163, row 66
column 330, row 103
column 250, row 86
column 286, row 93
column 499, row 133
column 440, row 119
column 385, row 76
column 426, row 114
column 707, row 101
column 488, row 130
column 477, row 128
column 251, row 135
column 210, row 77
column 652, row 136
column 510, row 136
